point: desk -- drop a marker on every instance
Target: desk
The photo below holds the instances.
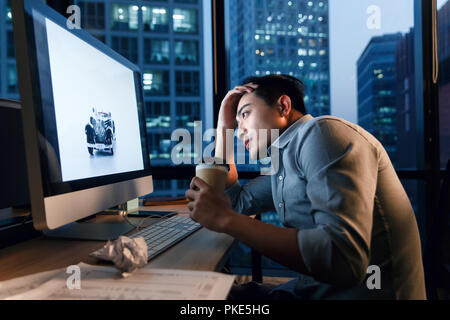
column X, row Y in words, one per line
column 204, row 250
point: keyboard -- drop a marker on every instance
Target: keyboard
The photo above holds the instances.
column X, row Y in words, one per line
column 166, row 233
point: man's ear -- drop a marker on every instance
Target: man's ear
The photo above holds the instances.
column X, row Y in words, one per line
column 284, row 105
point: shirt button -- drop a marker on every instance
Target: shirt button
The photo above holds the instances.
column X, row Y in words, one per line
column 280, row 204
column 280, row 178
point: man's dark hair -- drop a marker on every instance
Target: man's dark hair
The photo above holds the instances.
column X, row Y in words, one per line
column 272, row 87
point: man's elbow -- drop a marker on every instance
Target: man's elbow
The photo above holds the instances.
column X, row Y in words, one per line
column 349, row 270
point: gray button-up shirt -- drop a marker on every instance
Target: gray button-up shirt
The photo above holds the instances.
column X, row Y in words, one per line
column 336, row 185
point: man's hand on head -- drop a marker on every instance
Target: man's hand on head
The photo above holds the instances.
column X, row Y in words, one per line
column 228, row 108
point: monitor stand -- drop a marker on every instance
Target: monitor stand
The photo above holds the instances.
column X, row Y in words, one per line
column 90, row 231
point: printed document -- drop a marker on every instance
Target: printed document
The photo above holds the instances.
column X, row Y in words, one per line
column 106, row 283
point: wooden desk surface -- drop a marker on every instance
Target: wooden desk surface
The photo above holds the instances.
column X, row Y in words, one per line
column 203, row 250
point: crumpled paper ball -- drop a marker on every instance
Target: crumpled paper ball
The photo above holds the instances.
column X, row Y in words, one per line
column 127, row 254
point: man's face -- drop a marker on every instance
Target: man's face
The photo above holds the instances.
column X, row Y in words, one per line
column 254, row 115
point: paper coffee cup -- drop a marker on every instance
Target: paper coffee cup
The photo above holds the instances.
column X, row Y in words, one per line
column 213, row 174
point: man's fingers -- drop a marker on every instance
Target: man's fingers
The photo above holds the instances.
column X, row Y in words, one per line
column 199, row 183
column 191, row 194
column 251, row 85
column 242, row 89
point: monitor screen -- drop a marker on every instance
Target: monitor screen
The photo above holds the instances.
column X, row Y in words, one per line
column 88, row 105
column 95, row 107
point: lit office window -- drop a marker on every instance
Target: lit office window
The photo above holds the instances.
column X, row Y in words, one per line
column 156, row 83
column 92, row 15
column 12, row 85
column 187, row 83
column 126, row 46
column 156, row 51
column 444, row 79
column 187, row 113
column 10, row 51
column 161, row 146
column 157, row 114
column 185, row 20
column 8, row 17
column 155, row 18
column 124, row 17
column 186, row 52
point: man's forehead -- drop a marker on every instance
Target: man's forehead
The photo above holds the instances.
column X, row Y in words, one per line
column 246, row 99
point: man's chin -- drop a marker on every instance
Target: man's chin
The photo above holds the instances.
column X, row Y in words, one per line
column 254, row 155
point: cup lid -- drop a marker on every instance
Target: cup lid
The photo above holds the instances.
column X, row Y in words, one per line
column 223, row 167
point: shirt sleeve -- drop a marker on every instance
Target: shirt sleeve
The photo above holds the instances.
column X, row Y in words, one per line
column 253, row 198
column 341, row 169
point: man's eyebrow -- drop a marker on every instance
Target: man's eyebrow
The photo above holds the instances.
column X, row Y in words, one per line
column 240, row 110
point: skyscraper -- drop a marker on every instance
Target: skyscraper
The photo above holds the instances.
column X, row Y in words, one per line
column 376, row 71
column 405, row 102
column 282, row 37
column 166, row 40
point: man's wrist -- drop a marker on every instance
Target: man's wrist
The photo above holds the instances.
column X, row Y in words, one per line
column 229, row 221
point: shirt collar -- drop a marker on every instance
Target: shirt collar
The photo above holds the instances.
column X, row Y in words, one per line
column 289, row 133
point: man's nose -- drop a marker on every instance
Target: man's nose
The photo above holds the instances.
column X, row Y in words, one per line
column 241, row 132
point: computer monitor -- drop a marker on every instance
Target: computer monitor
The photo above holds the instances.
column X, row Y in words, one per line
column 83, row 119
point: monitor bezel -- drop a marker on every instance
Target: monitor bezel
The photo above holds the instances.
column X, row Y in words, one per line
column 50, row 188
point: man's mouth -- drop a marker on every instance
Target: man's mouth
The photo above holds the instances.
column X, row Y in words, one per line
column 247, row 144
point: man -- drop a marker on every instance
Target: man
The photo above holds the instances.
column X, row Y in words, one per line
column 336, row 192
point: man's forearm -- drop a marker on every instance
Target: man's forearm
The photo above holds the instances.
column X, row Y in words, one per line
column 227, row 154
column 279, row 244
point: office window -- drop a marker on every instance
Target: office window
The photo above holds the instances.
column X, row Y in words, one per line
column 156, row 51
column 160, row 145
column 99, row 37
column 186, row 52
column 444, row 78
column 124, row 17
column 187, row 113
column 8, row 15
column 126, row 46
column 186, row 1
column 10, row 51
column 157, row 114
column 187, row 83
column 170, row 188
column 12, row 85
column 159, row 184
column 162, row 188
column 155, row 18
column 185, row 20
column 183, row 184
column 92, row 15
column 156, row 83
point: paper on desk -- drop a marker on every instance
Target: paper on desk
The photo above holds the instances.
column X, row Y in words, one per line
column 23, row 284
column 103, row 283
